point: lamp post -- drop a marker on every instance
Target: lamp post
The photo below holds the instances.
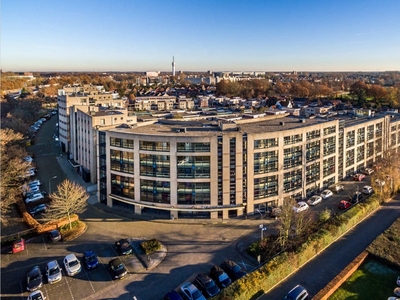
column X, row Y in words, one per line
column 261, row 226
column 49, row 183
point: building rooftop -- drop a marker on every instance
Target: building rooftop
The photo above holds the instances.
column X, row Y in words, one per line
column 251, row 126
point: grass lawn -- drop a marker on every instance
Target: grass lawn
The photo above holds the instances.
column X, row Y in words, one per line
column 373, row 280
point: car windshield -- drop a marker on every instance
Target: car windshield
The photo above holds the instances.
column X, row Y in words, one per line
column 54, row 270
column 236, row 269
column 73, row 263
column 223, row 277
column 34, row 277
column 91, row 258
column 37, row 297
column 118, row 267
column 196, row 294
column 209, row 284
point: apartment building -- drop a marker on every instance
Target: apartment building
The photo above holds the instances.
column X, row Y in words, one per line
column 85, row 123
column 198, row 170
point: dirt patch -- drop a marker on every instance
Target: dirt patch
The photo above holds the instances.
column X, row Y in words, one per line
column 15, row 223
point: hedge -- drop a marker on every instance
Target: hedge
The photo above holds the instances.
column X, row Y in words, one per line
column 271, row 273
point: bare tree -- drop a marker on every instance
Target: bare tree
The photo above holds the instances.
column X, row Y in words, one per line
column 70, row 198
column 285, row 221
column 13, row 168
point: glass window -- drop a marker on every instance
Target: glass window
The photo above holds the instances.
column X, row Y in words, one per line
column 265, row 143
column 193, row 166
column 122, row 161
column 154, row 165
column 265, row 187
column 194, row 193
column 154, row 146
column 265, row 162
column 193, row 147
column 292, row 180
column 155, row 191
column 123, row 186
column 292, row 157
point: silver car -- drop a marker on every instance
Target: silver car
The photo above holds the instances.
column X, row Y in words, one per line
column 53, row 272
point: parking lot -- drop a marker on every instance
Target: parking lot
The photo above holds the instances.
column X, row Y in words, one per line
column 80, row 286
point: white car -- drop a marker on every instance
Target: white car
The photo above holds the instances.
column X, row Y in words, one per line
column 36, row 295
column 29, row 189
column 379, row 182
column 28, row 159
column 301, row 206
column 34, row 183
column 72, row 265
column 34, row 197
column 191, row 292
column 53, row 272
column 314, row 200
column 368, row 171
column 368, row 190
column 326, row 194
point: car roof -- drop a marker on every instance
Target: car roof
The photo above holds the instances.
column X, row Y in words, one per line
column 203, row 277
column 116, row 261
column 301, row 202
column 71, row 257
column 88, row 253
column 33, row 270
column 326, row 191
column 52, row 264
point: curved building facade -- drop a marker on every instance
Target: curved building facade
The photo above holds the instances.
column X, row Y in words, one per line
column 226, row 169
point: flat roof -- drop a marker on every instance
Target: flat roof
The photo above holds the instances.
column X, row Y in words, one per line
column 251, row 126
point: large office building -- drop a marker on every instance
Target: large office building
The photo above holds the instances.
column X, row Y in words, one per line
column 195, row 169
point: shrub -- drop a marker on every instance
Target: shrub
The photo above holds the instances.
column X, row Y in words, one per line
column 324, row 215
column 150, row 246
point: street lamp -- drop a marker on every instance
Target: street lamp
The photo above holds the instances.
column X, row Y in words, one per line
column 261, row 226
column 49, row 183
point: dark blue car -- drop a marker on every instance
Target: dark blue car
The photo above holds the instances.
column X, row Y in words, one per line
column 90, row 259
column 173, row 295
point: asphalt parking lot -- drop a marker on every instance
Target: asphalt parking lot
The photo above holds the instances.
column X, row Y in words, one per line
column 193, row 247
column 80, row 286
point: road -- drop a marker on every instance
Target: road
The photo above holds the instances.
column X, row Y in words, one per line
column 316, row 274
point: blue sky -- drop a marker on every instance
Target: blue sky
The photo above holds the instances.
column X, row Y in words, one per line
column 235, row 35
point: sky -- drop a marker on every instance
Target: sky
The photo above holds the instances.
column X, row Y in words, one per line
column 215, row 35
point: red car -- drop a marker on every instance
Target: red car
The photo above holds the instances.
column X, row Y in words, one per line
column 344, row 205
column 359, row 177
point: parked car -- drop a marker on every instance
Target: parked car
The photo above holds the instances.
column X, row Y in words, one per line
column 117, row 268
column 358, row 177
column 34, row 197
column 72, row 265
column 53, row 272
column 368, row 190
column 356, row 197
column 123, row 247
column 326, row 194
column 297, row 293
column 398, row 280
column 220, row 277
column 55, row 235
column 232, row 269
column 206, row 285
column 34, row 279
column 344, row 204
column 38, row 209
column 54, row 112
column 28, row 159
column 190, row 292
column 34, row 183
column 36, row 295
column 90, row 259
column 338, row 188
column 368, row 171
column 172, row 295
column 275, row 212
column 27, row 190
column 300, row 206
column 314, row 200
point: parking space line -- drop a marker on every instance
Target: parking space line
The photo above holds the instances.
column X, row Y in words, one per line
column 69, row 288
column 87, row 276
column 44, row 242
